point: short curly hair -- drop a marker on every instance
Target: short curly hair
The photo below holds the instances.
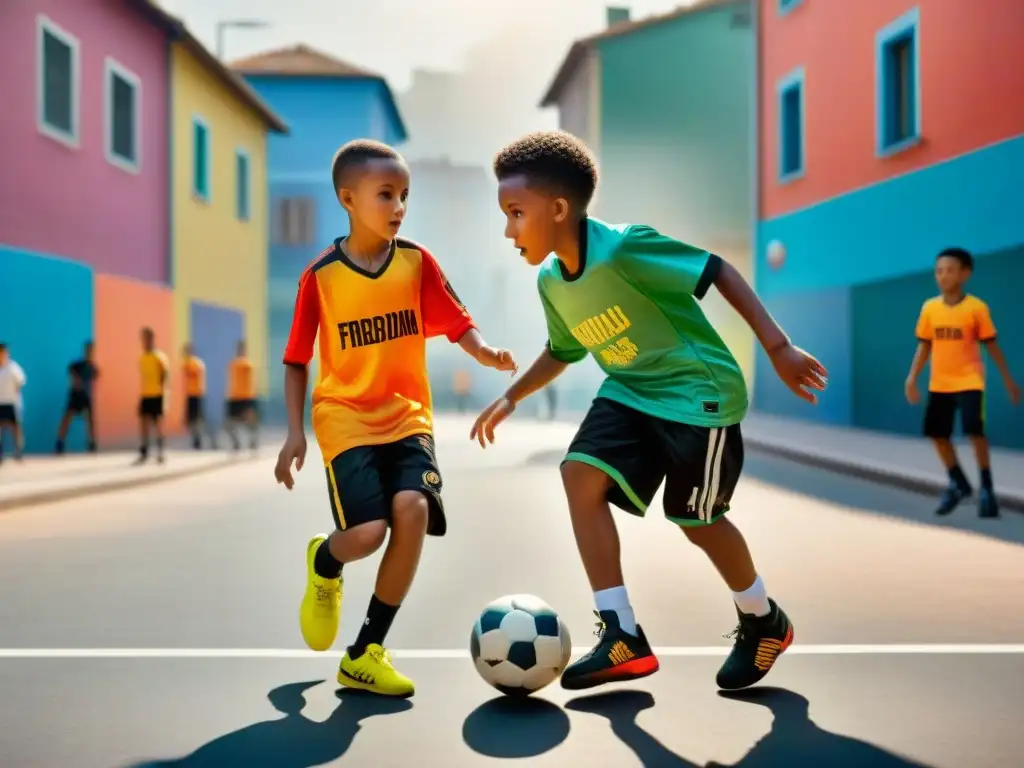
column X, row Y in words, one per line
column 355, row 154
column 963, row 256
column 555, row 160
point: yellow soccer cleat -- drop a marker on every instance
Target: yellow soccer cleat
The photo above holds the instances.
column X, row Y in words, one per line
column 373, row 671
column 320, row 613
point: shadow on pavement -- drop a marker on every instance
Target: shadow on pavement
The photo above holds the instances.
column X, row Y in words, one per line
column 836, row 488
column 794, row 741
column 511, row 728
column 292, row 741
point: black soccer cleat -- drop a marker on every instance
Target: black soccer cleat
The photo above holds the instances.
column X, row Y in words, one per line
column 988, row 505
column 759, row 641
column 618, row 656
column 951, row 498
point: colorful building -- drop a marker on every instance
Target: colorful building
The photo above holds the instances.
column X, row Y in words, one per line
column 665, row 103
column 86, row 247
column 895, row 139
column 326, row 102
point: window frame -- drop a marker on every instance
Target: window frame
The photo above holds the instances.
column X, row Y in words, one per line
column 45, row 25
column 906, row 26
column 113, row 68
column 787, row 6
column 203, row 196
column 243, row 215
column 796, row 79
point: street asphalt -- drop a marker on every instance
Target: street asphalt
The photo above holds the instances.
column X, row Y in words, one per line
column 158, row 627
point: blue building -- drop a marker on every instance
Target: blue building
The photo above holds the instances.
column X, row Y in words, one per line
column 326, row 102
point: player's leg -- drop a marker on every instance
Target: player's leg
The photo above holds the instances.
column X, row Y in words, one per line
column 252, row 421
column 90, row 424
column 157, row 415
column 360, row 524
column 706, row 466
column 144, row 424
column 972, row 415
column 65, row 424
column 231, row 423
column 19, row 434
column 194, row 423
column 940, row 414
column 6, row 425
column 412, row 478
column 613, row 459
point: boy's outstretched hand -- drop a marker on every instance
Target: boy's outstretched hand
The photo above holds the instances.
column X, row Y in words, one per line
column 294, row 449
column 492, row 416
column 500, row 359
column 799, row 371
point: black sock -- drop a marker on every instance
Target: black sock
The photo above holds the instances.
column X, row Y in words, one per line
column 325, row 564
column 378, row 621
column 986, row 479
column 959, row 478
column 143, row 451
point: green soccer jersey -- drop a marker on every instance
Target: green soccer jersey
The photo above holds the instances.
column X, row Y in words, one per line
column 633, row 306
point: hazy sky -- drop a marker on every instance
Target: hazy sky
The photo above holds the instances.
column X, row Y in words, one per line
column 394, row 36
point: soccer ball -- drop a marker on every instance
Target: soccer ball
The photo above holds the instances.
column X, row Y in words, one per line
column 776, row 254
column 519, row 644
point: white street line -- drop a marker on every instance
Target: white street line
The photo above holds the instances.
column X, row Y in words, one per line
column 455, row 653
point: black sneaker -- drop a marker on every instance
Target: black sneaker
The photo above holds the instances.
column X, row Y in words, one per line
column 951, row 498
column 759, row 641
column 988, row 505
column 618, row 656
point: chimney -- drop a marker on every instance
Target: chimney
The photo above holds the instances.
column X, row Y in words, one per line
column 616, row 14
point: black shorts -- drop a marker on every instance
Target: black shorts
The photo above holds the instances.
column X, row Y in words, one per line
column 239, row 409
column 940, row 415
column 152, row 407
column 79, row 401
column 362, row 481
column 700, row 465
column 8, row 414
column 193, row 409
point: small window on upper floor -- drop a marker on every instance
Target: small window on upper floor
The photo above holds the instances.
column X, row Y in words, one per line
column 791, row 126
column 785, row 6
column 242, row 185
column 201, row 173
column 899, row 85
column 57, row 82
column 123, row 96
column 294, row 222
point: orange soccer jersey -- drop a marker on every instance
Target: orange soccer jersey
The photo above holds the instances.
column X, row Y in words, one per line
column 241, row 379
column 372, row 387
column 195, row 376
column 955, row 332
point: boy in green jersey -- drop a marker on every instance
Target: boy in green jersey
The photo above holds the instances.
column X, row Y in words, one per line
column 669, row 410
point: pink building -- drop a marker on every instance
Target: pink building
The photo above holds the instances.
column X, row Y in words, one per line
column 84, row 129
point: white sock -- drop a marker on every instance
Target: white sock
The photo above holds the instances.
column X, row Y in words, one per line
column 616, row 599
column 753, row 600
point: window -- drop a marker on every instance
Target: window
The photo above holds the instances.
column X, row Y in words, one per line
column 200, row 159
column 57, row 82
column 242, row 183
column 899, row 85
column 123, row 109
column 791, row 126
column 293, row 221
column 785, row 6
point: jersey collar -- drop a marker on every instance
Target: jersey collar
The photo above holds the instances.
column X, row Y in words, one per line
column 583, row 240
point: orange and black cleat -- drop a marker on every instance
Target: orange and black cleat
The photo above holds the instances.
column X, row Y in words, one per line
column 617, row 657
column 759, row 641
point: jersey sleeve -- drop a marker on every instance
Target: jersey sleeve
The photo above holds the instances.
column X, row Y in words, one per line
column 561, row 344
column 443, row 312
column 19, row 375
column 661, row 263
column 305, row 322
column 924, row 324
column 983, row 320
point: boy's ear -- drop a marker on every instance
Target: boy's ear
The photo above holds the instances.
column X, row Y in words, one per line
column 562, row 209
column 345, row 197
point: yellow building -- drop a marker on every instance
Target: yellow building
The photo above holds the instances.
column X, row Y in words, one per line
column 219, row 228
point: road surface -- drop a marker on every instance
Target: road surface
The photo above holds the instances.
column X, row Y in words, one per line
column 158, row 627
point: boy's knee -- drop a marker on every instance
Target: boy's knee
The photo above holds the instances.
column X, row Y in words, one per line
column 410, row 512
column 365, row 539
column 584, row 482
column 702, row 535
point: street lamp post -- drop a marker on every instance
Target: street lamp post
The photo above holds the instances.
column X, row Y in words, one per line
column 222, row 26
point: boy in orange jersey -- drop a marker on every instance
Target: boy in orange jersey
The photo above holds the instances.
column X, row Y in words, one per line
column 950, row 330
column 194, row 370
column 241, row 403
column 374, row 300
column 153, row 369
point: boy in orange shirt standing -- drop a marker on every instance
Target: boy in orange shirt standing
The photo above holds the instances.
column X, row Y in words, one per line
column 950, row 330
column 371, row 299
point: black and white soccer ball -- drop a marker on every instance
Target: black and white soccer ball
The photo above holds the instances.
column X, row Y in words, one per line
column 520, row 644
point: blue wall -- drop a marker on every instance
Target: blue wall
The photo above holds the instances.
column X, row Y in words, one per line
column 46, row 314
column 323, row 114
column 858, row 267
column 896, row 227
column 820, row 323
column 222, row 329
